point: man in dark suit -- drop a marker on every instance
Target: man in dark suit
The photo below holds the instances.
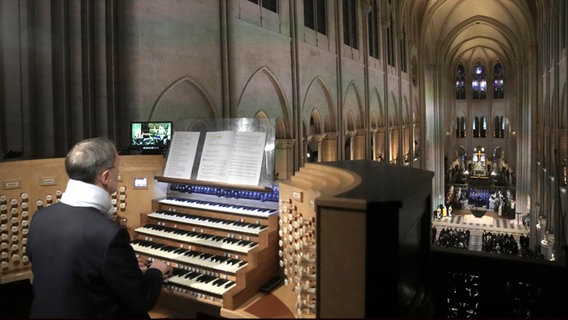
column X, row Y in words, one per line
column 82, row 262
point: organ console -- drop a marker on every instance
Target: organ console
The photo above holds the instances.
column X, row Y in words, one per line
column 220, row 239
column 355, row 239
column 354, row 242
column 325, row 230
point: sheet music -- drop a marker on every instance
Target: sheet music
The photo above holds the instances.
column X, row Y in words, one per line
column 232, row 157
column 246, row 160
column 215, row 156
column 181, row 154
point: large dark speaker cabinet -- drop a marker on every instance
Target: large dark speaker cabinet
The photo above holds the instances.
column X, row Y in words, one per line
column 373, row 242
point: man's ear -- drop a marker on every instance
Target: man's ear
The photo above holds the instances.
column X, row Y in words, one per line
column 104, row 176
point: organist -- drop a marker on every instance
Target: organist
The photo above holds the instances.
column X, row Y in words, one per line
column 82, row 262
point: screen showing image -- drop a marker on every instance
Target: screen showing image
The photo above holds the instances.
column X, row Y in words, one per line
column 151, row 135
column 140, row 182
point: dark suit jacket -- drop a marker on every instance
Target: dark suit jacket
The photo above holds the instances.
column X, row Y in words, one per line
column 83, row 266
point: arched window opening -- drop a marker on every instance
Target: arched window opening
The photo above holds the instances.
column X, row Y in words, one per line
column 390, row 42
column 460, row 82
column 374, row 28
column 479, row 82
column 498, row 82
column 475, row 127
column 350, row 24
column 499, row 127
column 271, row 5
column 483, row 129
column 460, row 127
column 483, row 88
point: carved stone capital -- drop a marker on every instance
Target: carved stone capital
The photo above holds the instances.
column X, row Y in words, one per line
column 285, row 143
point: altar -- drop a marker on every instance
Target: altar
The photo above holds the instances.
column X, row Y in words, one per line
column 487, row 220
column 479, row 169
column 479, row 182
column 478, row 158
column 478, row 212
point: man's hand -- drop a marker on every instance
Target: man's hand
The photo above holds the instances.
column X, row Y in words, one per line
column 143, row 266
column 163, row 267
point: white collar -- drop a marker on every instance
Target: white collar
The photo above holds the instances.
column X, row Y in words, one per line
column 81, row 194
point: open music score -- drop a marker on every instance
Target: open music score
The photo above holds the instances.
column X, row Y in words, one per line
column 222, row 242
column 181, row 154
column 232, row 157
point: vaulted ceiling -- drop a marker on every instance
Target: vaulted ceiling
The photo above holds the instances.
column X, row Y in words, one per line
column 470, row 30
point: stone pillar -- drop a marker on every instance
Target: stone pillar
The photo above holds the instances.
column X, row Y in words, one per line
column 358, row 144
column 351, row 135
column 328, row 150
column 284, row 159
column 374, row 146
column 319, row 139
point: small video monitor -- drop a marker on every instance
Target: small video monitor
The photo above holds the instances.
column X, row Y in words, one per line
column 150, row 137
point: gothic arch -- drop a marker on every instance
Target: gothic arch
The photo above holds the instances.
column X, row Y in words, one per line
column 280, row 130
column 353, row 106
column 405, row 111
column 376, row 107
column 315, row 121
column 374, row 120
column 350, row 121
column 392, row 111
column 318, row 97
column 182, row 99
column 272, row 101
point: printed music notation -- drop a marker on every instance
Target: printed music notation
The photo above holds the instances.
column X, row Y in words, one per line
column 181, row 154
column 227, row 156
column 232, row 157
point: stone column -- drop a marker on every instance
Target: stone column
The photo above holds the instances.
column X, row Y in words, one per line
column 328, row 150
column 283, row 159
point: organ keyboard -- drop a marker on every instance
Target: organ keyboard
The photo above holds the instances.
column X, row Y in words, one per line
column 193, row 280
column 189, row 256
column 198, row 238
column 238, row 226
column 222, row 243
column 216, row 206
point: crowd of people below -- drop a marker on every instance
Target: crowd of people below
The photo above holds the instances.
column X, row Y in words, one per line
column 501, row 243
column 451, row 238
